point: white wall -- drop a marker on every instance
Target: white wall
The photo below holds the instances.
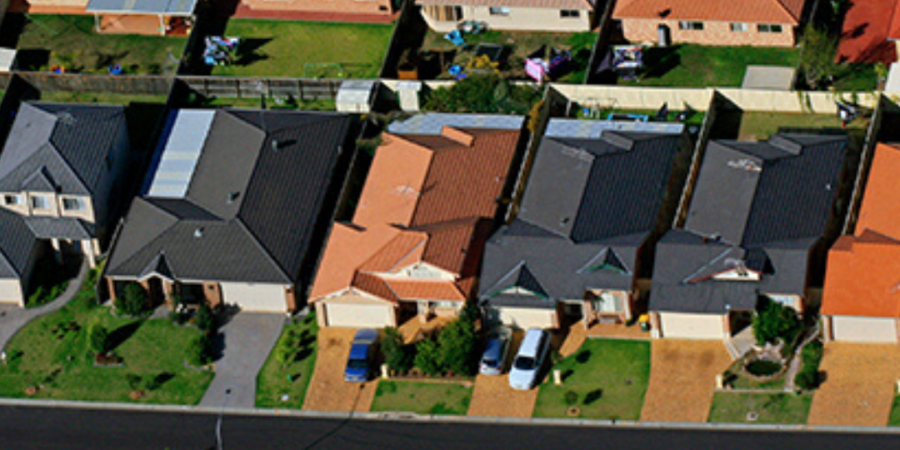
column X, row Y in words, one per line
column 255, row 296
column 864, row 329
column 11, row 291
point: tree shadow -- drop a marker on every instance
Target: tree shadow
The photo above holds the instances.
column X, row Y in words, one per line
column 218, row 346
column 660, row 61
column 583, row 356
column 121, row 334
column 32, row 59
column 247, row 51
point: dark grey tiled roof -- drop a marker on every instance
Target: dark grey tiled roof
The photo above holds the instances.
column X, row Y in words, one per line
column 69, row 143
column 251, row 205
column 57, row 227
column 590, row 204
column 17, row 243
column 758, row 205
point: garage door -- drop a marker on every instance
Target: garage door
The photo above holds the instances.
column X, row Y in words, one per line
column 11, row 291
column 255, row 297
column 359, row 315
column 691, row 326
column 863, row 329
column 525, row 318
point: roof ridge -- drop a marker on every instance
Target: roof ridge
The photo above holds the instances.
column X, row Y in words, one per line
column 50, row 141
column 262, row 247
column 159, row 235
column 785, row 9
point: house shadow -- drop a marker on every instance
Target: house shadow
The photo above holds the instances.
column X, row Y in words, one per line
column 33, row 59
column 13, row 25
column 247, row 51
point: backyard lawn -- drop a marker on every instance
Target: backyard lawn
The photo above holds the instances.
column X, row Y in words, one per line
column 101, row 97
column 268, row 103
column 275, row 48
column 761, row 125
column 687, row 65
column 70, row 42
column 783, row 408
column 51, row 353
column 605, row 379
column 422, row 397
column 289, row 373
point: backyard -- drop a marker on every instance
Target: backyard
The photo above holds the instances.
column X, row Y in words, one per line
column 197, row 100
column 69, row 42
column 604, row 379
column 517, row 47
column 600, row 112
column 274, row 48
column 781, row 408
column 284, row 378
column 49, row 358
column 422, row 397
column 687, row 65
column 101, row 97
column 761, row 125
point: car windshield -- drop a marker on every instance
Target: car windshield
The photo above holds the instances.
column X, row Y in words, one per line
column 357, row 364
column 490, row 362
column 524, row 363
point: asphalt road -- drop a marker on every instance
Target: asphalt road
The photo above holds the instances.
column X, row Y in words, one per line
column 65, row 429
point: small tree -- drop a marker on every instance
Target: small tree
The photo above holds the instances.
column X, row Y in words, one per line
column 817, row 56
column 205, row 319
column 397, row 355
column 98, row 338
column 133, row 300
column 774, row 321
column 199, row 351
column 458, row 346
column 428, row 357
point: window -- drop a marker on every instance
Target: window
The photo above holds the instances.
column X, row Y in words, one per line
column 768, row 28
column 73, row 204
column 12, row 200
column 499, row 11
column 569, row 13
column 738, row 27
column 688, row 25
column 40, row 202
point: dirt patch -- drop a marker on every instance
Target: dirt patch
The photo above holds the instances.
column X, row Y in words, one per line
column 859, row 384
column 682, row 379
column 327, row 389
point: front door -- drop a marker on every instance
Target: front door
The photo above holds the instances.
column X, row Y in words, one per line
column 664, row 35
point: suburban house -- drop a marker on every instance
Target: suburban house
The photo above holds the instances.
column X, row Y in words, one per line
column 372, row 11
column 861, row 299
column 234, row 208
column 756, row 218
column 596, row 195
column 436, row 186
column 61, row 180
column 870, row 33
column 570, row 16
column 771, row 23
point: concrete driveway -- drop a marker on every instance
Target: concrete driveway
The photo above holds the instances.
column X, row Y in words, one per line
column 683, row 379
column 327, row 389
column 859, row 385
column 492, row 396
column 248, row 340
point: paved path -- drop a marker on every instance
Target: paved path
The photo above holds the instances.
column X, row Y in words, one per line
column 683, row 379
column 859, row 384
column 14, row 317
column 327, row 389
column 249, row 338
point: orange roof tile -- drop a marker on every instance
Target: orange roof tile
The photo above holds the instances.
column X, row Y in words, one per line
column 754, row 11
column 347, row 248
column 880, row 210
column 425, row 290
column 552, row 4
column 374, row 285
column 405, row 249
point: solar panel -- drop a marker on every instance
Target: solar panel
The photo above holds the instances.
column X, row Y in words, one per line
column 432, row 123
column 182, row 151
column 575, row 128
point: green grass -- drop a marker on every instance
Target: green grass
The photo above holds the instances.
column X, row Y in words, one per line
column 739, row 380
column 688, row 65
column 100, row 97
column 761, row 125
column 276, row 48
column 73, row 44
column 894, row 418
column 732, row 407
column 52, row 353
column 270, row 103
column 272, row 382
column 609, row 377
column 422, row 397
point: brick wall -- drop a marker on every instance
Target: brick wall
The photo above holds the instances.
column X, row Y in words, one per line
column 337, row 6
column 713, row 33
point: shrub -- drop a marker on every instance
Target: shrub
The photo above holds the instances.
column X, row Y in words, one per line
column 570, row 397
column 812, row 353
column 484, row 94
column 428, row 357
column 774, row 321
column 762, row 368
column 397, row 355
column 133, row 380
column 817, row 63
column 199, row 351
column 205, row 319
column 133, row 300
column 98, row 338
column 808, row 378
column 458, row 346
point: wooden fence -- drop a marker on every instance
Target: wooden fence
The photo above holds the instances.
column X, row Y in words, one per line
column 299, row 88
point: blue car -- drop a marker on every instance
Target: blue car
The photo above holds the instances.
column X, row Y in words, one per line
column 361, row 354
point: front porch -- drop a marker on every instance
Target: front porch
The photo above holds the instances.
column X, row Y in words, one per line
column 172, row 293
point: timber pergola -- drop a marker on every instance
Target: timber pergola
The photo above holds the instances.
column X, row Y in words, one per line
column 159, row 8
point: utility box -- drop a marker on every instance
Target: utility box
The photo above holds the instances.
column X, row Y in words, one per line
column 410, row 95
column 357, row 96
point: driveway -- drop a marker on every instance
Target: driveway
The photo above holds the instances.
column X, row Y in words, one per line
column 859, row 384
column 683, row 379
column 248, row 340
column 492, row 396
column 14, row 317
column 327, row 389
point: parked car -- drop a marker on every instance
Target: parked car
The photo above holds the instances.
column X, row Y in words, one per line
column 529, row 359
column 362, row 350
column 492, row 361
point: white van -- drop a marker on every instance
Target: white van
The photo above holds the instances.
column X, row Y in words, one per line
column 529, row 359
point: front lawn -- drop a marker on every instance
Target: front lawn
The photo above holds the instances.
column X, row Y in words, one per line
column 289, row 368
column 276, row 48
column 50, row 279
column 72, row 43
column 894, row 419
column 782, row 408
column 605, row 379
column 52, row 354
column 688, row 65
column 422, row 397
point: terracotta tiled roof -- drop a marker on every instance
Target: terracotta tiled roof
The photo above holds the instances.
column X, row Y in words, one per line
column 863, row 272
column 374, row 285
column 894, row 28
column 550, row 4
column 425, row 290
column 405, row 249
column 754, row 11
